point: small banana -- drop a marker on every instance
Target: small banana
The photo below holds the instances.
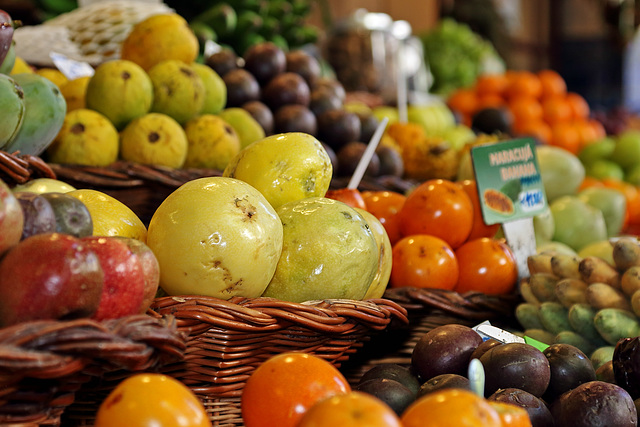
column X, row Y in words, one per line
column 571, row 291
column 601, row 295
column 566, row 266
column 543, row 286
column 594, row 269
column 539, row 263
column 630, row 280
column 626, row 253
column 527, row 293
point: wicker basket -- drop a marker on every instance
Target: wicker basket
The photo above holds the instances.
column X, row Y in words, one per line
column 227, row 340
column 44, row 363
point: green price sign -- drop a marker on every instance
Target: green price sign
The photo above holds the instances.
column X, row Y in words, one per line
column 508, row 179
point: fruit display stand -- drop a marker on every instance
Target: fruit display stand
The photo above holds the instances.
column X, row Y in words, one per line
column 45, row 363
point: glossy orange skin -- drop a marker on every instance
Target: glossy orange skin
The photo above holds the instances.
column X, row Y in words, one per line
column 424, row 261
column 350, row 196
column 486, row 265
column 479, row 228
column 385, row 206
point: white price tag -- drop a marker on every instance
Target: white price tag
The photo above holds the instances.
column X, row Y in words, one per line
column 70, row 68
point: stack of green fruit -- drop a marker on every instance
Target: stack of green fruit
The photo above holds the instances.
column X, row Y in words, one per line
column 240, row 24
column 583, row 301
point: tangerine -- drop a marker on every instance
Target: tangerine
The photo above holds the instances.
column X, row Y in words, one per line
column 491, row 83
column 354, row 409
column 423, row 261
column 553, row 84
column 451, row 407
column 525, row 109
column 537, row 129
column 565, row 135
column 440, row 208
column 524, row 83
column 556, row 109
column 285, row 386
column 486, row 265
column 464, row 101
column 385, row 206
column 578, row 106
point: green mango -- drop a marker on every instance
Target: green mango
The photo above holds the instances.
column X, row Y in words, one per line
column 45, row 109
column 11, row 109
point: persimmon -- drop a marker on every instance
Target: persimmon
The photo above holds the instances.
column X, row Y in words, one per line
column 385, row 206
column 479, row 228
column 553, row 84
column 350, row 196
column 511, row 415
column 486, row 265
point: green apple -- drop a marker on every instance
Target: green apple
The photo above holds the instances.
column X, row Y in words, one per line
column 577, row 223
column 215, row 236
column 284, row 167
column 627, row 150
column 597, row 150
column 328, row 252
column 561, row 171
column 605, row 169
column 611, row 202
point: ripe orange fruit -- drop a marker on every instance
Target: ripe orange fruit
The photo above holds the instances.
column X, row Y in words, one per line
column 440, row 208
column 354, row 409
column 535, row 128
column 285, row 386
column 490, row 100
column 486, row 265
column 598, row 128
column 385, row 206
column 578, row 106
column 525, row 109
column 556, row 109
column 350, row 196
column 511, row 415
column 494, row 83
column 479, row 227
column 587, row 132
column 524, row 83
column 423, row 261
column 464, row 101
column 553, row 84
column 451, row 407
column 565, row 135
column 632, row 195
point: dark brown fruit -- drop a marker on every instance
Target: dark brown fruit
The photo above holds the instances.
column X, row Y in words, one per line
column 39, row 216
column 333, row 156
column 391, row 392
column 324, row 99
column 482, row 348
column 368, row 125
column 262, row 114
column 265, row 61
column 305, row 64
column 395, row 372
column 443, row 381
column 285, row 89
column 569, row 366
column 444, row 350
column 349, row 156
column 295, row 118
column 338, row 127
column 516, row 365
column 332, row 84
column 242, row 87
column 223, row 61
column 72, row 216
column 391, row 163
column 539, row 413
column 605, row 373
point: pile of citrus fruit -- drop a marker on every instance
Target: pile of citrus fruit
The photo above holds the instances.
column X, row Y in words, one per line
column 538, row 103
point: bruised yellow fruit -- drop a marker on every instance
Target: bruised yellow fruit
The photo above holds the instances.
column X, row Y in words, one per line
column 154, row 139
column 212, row 142
column 86, row 138
column 75, row 92
column 53, row 75
column 120, row 90
column 110, row 216
column 215, row 89
column 178, row 91
column 159, row 38
column 247, row 128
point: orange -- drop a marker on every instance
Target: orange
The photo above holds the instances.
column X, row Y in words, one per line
column 486, row 265
column 525, row 109
column 511, row 415
column 440, row 208
column 385, row 206
column 578, row 106
column 598, row 128
column 590, row 181
column 479, row 228
column 492, row 83
column 464, row 101
column 423, row 261
column 552, row 83
column 451, row 407
column 535, row 128
column 490, row 100
column 524, row 83
column 565, row 135
column 354, row 409
column 556, row 109
column 588, row 133
column 285, row 386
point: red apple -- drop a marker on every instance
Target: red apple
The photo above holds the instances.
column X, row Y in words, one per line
column 11, row 219
column 49, row 276
column 124, row 279
column 150, row 268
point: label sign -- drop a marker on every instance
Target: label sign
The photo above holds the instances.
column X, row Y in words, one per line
column 508, row 180
column 70, row 68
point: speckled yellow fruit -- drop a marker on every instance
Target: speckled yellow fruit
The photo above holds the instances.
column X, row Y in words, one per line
column 178, row 91
column 212, row 142
column 120, row 90
column 381, row 279
column 215, row 89
column 328, row 252
column 248, row 128
column 110, row 216
column 158, row 38
column 284, row 167
column 215, row 236
column 86, row 138
column 44, row 185
column 154, row 139
column 54, row 75
column 75, row 92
